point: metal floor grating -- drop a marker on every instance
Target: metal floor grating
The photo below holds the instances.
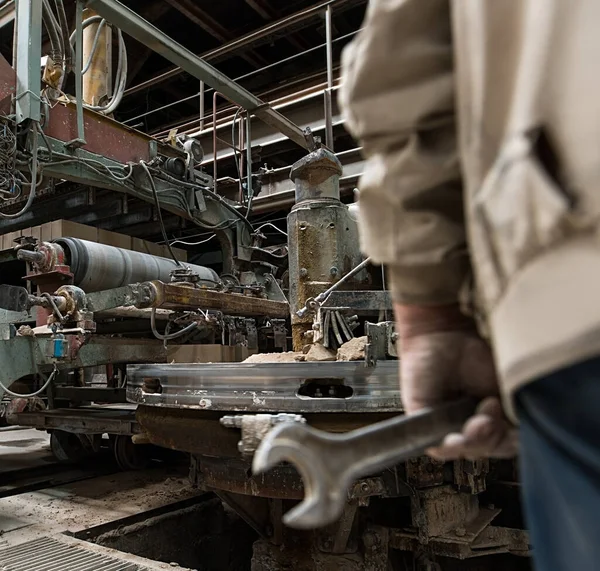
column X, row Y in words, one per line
column 49, row 554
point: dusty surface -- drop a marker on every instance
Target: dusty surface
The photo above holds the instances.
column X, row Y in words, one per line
column 77, row 506
column 353, row 350
column 23, row 448
column 289, row 357
column 319, row 353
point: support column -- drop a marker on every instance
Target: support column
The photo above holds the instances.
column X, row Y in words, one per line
column 29, row 55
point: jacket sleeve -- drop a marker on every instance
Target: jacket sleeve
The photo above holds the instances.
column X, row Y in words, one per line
column 398, row 100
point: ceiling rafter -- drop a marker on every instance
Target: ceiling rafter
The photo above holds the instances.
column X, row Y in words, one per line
column 203, row 19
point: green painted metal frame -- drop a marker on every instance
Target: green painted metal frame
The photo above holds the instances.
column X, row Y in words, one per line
column 29, row 55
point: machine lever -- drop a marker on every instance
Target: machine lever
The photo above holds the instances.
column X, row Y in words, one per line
column 329, row 463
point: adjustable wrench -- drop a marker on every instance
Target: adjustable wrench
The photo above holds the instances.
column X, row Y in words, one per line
column 329, row 463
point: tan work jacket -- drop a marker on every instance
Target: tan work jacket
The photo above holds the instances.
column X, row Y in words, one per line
column 480, row 120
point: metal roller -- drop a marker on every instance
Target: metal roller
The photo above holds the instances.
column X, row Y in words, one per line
column 98, row 267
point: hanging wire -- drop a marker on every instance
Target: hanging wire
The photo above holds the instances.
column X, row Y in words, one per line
column 34, row 174
column 36, row 393
column 193, row 243
column 169, row 336
column 272, row 226
column 158, row 210
column 121, row 74
column 57, row 312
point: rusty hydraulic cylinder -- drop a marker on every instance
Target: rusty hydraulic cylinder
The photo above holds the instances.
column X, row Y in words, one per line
column 323, row 238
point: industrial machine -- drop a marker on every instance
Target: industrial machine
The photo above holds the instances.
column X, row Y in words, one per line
column 101, row 339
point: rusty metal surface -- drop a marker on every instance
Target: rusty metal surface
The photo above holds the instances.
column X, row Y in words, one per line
column 173, row 296
column 323, row 247
column 232, row 475
column 491, row 541
column 188, row 431
column 84, row 420
column 103, row 135
column 8, row 81
column 424, row 471
column 201, row 433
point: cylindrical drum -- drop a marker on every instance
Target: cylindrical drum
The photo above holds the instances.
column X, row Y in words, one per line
column 97, row 267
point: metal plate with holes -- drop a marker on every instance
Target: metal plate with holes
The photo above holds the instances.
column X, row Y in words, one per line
column 49, row 554
column 268, row 387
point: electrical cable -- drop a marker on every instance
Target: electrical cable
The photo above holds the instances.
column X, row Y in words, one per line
column 52, row 28
column 34, row 173
column 213, row 196
column 272, row 226
column 47, row 296
column 64, row 28
column 168, row 336
column 217, row 198
column 50, row 152
column 121, row 74
column 36, row 393
column 88, row 64
column 193, row 243
column 160, row 218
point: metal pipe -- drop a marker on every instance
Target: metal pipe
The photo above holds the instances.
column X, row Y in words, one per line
column 214, row 138
column 214, row 135
column 240, row 78
column 15, row 39
column 147, row 34
column 249, row 39
column 78, row 72
column 241, row 147
column 201, row 104
column 31, row 256
column 249, row 189
column 327, row 92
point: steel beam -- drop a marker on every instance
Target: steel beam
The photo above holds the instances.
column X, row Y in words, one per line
column 204, row 20
column 296, row 21
column 29, row 54
column 149, row 35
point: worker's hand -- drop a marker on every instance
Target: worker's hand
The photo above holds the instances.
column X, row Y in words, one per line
column 442, row 358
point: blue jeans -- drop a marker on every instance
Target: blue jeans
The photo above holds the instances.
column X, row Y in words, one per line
column 560, row 467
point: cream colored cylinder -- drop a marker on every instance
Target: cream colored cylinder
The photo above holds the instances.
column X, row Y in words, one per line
column 97, row 81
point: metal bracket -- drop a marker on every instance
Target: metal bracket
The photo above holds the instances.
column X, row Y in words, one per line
column 381, row 342
column 255, row 427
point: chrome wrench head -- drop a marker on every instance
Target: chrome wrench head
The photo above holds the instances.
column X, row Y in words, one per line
column 330, row 463
column 315, row 455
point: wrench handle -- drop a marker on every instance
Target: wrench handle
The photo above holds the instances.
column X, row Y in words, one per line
column 384, row 444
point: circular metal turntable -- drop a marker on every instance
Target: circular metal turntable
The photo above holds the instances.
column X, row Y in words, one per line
column 267, row 387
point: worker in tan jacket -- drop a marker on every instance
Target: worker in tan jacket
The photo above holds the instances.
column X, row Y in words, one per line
column 480, row 122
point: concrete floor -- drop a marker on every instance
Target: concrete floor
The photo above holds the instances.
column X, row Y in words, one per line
column 23, row 448
column 71, row 508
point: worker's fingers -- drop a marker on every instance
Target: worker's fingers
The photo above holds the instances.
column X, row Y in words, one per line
column 486, row 434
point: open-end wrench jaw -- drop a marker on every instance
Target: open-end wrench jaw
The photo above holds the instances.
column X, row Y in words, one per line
column 329, row 463
column 308, row 449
